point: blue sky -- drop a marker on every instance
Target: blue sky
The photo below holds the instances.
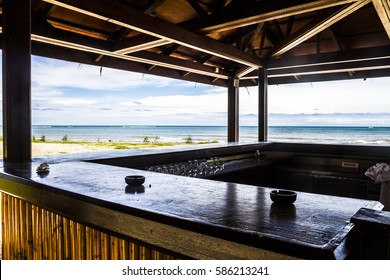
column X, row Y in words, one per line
column 71, row 93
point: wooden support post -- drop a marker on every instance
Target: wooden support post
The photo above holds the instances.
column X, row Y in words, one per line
column 233, row 99
column 17, row 80
column 263, row 105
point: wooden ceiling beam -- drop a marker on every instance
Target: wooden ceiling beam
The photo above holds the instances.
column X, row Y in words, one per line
column 368, row 57
column 382, row 7
column 78, row 29
column 317, row 69
column 44, row 29
column 122, row 15
column 289, row 26
column 270, row 12
column 41, row 12
column 323, row 77
column 152, row 6
column 139, row 43
column 335, row 39
column 261, row 12
column 154, row 59
column 352, row 66
column 328, row 58
column 151, row 42
column 262, row 39
column 279, row 31
column 45, row 33
column 56, row 52
column 244, row 71
column 183, row 65
column 195, row 5
column 315, row 27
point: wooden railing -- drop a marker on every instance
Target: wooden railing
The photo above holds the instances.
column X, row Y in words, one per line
column 32, row 233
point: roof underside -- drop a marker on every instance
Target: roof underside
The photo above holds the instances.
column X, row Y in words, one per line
column 208, row 41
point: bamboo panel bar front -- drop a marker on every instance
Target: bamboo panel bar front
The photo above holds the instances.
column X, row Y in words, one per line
column 32, row 233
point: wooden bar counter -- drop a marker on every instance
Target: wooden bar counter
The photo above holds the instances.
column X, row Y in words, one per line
column 179, row 217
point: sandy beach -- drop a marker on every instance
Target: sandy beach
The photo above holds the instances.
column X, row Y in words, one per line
column 60, row 147
column 40, row 149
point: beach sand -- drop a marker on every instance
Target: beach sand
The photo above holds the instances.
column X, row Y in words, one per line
column 41, row 149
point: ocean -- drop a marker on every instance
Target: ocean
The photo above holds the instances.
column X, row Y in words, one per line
column 248, row 134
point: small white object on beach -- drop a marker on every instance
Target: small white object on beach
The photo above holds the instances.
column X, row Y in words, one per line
column 43, row 168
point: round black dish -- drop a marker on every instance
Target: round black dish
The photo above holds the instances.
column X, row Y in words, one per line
column 135, row 189
column 283, row 196
column 135, row 180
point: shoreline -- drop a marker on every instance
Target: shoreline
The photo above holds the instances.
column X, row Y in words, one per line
column 44, row 148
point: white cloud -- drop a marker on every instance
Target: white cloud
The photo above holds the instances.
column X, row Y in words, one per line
column 198, row 104
column 68, row 93
column 345, row 119
column 74, row 101
column 49, row 73
column 351, row 96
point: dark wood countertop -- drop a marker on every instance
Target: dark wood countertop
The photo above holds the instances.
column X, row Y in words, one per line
column 315, row 226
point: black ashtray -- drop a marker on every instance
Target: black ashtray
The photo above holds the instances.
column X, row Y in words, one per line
column 283, row 196
column 135, row 189
column 135, row 180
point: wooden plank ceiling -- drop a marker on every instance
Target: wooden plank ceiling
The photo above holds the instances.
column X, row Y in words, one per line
column 208, row 41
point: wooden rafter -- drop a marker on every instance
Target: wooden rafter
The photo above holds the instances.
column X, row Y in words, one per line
column 54, row 51
column 352, row 66
column 335, row 39
column 257, row 31
column 382, row 7
column 226, row 21
column 122, row 15
column 258, row 28
column 270, row 10
column 78, row 29
column 244, row 71
column 222, row 21
column 289, row 26
column 315, row 27
column 194, row 4
column 375, row 60
column 328, row 58
column 279, row 31
column 360, row 60
column 139, row 43
column 152, row 6
column 262, row 39
column 47, row 34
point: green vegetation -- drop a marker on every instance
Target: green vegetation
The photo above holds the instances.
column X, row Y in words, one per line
column 100, row 145
column 43, row 138
column 146, row 143
column 188, row 140
column 121, row 147
column 208, row 142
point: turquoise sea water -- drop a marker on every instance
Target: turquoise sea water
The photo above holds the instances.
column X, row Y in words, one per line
column 295, row 134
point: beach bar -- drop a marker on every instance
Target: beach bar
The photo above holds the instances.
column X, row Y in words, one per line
column 214, row 201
